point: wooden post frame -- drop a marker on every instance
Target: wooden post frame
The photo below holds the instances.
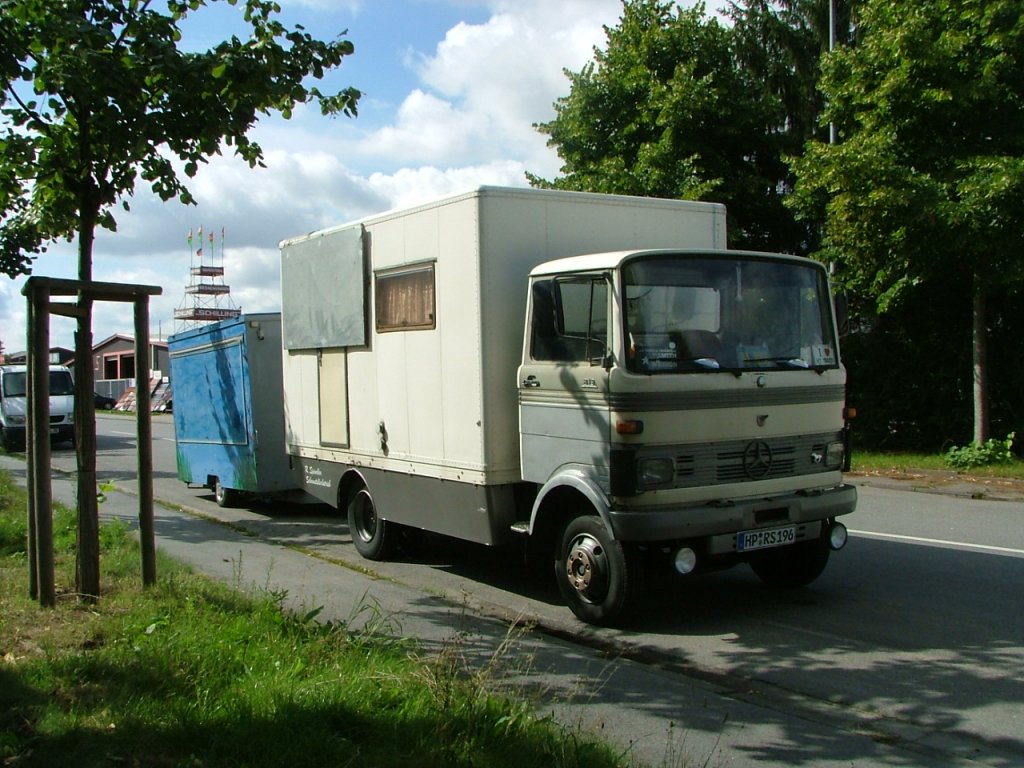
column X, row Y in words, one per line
column 39, row 292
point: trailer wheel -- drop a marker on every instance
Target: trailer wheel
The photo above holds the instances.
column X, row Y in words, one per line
column 794, row 566
column 374, row 539
column 597, row 576
column 225, row 497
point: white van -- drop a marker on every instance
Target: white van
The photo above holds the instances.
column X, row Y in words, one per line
column 14, row 405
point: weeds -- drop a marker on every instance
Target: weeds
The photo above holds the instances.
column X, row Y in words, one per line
column 981, row 454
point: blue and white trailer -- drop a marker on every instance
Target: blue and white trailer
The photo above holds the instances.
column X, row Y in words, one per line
column 228, row 410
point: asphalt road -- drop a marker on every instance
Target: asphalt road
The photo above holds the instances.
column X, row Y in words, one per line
column 908, row 651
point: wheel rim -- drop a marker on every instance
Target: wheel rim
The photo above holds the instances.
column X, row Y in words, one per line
column 365, row 516
column 586, row 567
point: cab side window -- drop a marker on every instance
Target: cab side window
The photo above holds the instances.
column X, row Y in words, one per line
column 570, row 320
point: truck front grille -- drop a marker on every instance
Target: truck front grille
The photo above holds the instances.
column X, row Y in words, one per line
column 747, row 460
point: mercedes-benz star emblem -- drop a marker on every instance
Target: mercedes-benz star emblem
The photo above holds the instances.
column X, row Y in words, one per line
column 757, row 460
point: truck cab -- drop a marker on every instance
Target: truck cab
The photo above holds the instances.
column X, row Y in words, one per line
column 14, row 405
column 685, row 407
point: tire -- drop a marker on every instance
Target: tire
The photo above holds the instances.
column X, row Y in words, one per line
column 597, row 576
column 793, row 566
column 225, row 497
column 374, row 538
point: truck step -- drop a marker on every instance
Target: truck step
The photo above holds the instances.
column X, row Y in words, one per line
column 522, row 527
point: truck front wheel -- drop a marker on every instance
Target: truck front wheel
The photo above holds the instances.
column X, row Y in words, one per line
column 374, row 539
column 597, row 576
column 794, row 566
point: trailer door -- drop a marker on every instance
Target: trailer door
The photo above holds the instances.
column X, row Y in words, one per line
column 563, row 381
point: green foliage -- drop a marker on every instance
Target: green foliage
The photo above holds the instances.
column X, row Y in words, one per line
column 981, row 454
column 927, row 183
column 678, row 105
column 95, row 95
column 928, row 177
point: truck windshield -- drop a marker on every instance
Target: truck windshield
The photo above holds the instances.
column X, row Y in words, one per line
column 693, row 314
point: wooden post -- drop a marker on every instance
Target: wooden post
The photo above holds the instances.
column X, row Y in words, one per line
column 38, row 435
column 144, row 442
column 33, row 564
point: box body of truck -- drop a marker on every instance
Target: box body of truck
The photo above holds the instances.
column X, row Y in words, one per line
column 596, row 372
column 228, row 411
column 14, row 405
column 403, row 333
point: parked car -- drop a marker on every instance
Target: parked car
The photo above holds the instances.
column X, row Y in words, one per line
column 103, row 402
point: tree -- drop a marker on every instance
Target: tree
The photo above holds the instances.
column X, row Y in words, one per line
column 678, row 105
column 95, row 94
column 927, row 182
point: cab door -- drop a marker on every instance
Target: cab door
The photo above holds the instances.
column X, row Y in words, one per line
column 564, row 415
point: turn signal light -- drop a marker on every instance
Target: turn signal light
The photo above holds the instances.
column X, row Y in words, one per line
column 631, row 427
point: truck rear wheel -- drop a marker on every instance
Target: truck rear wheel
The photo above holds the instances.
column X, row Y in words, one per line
column 597, row 576
column 374, row 539
column 793, row 566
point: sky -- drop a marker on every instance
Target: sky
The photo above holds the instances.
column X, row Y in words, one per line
column 452, row 90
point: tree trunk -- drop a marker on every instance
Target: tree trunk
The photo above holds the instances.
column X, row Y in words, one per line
column 980, row 361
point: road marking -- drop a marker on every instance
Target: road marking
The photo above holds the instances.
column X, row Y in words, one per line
column 939, row 542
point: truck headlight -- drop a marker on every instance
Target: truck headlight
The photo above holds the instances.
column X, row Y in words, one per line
column 834, row 453
column 652, row 472
column 16, row 421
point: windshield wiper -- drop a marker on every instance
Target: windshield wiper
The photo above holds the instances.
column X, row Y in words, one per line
column 791, row 362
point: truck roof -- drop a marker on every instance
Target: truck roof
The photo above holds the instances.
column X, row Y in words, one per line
column 597, row 262
column 21, row 368
column 486, row 190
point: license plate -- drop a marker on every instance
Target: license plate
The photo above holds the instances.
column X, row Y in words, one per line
column 764, row 538
column 54, row 430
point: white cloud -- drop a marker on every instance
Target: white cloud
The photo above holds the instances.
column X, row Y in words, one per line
column 467, row 119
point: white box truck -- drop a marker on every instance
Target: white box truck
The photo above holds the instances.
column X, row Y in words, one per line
column 594, row 372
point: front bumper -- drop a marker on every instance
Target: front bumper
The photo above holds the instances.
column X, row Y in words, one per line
column 729, row 516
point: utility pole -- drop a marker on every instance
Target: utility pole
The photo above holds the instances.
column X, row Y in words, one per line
column 832, row 138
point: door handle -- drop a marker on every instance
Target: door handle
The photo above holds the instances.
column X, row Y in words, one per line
column 531, row 381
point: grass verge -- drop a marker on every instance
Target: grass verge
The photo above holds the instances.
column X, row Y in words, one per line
column 193, row 673
column 889, row 462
